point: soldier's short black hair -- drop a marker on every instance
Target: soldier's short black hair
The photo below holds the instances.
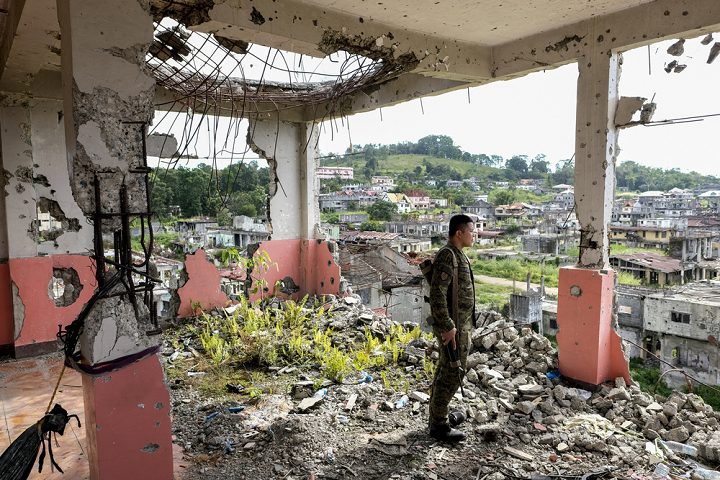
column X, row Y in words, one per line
column 456, row 222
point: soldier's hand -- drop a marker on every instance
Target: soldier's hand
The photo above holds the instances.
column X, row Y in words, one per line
column 448, row 337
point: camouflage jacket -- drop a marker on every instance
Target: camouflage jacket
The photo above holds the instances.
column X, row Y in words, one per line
column 441, row 290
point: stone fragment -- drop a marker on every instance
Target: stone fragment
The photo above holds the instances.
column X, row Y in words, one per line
column 619, row 394
column 710, row 448
column 562, row 447
column 654, row 407
column 488, row 341
column 559, row 392
column 419, row 396
column 531, row 389
column 472, row 376
column 526, row 407
column 679, row 435
column 642, row 399
column 476, row 358
column 670, row 409
column 537, row 367
column 678, row 398
column 620, row 382
column 308, row 403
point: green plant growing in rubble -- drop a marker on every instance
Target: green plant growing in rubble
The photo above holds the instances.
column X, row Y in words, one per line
column 256, row 267
column 336, row 364
column 396, row 352
column 361, row 360
column 429, row 367
column 293, row 312
column 387, row 382
column 428, row 336
column 213, row 344
column 195, row 306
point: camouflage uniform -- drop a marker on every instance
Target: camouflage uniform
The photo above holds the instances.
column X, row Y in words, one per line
column 446, row 383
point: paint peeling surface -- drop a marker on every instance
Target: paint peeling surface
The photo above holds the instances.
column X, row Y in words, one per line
column 145, row 451
column 42, row 317
column 590, row 350
column 203, row 285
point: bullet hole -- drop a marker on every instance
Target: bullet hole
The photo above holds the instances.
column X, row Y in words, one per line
column 322, row 284
column 288, row 286
column 97, row 427
column 314, row 23
column 361, row 20
column 159, row 406
column 600, row 38
column 157, row 424
column 256, row 17
column 667, row 13
column 575, row 291
column 685, row 14
column 150, row 448
column 65, row 287
column 332, row 280
column 51, row 222
column 329, row 263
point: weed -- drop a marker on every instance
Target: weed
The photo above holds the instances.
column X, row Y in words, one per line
column 429, row 368
column 387, row 382
column 337, row 365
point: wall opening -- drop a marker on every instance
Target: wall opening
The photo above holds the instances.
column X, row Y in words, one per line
column 64, row 287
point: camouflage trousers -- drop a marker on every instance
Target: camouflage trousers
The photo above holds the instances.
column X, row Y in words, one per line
column 446, row 383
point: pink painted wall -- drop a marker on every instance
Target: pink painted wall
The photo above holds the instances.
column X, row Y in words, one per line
column 124, row 412
column 32, row 276
column 6, row 311
column 203, row 285
column 308, row 262
column 589, row 349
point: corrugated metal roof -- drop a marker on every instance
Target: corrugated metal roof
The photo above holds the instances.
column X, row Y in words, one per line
column 651, row 260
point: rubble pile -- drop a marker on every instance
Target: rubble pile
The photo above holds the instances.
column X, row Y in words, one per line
column 523, row 421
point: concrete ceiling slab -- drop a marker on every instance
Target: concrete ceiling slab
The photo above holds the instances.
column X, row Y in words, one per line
column 484, row 22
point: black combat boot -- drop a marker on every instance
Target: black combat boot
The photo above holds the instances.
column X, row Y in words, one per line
column 445, row 433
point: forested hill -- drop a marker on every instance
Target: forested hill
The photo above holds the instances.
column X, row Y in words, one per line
column 437, row 157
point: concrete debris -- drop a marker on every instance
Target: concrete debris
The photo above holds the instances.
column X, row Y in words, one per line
column 677, row 48
column 707, row 40
column 714, row 51
column 520, row 420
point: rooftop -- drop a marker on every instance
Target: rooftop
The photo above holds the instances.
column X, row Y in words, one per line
column 652, row 260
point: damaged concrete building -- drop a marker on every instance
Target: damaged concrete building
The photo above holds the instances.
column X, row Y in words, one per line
column 81, row 81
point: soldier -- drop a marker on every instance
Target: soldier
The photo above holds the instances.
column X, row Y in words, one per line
column 446, row 382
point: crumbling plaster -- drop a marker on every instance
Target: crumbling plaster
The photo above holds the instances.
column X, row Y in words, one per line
column 292, row 154
column 33, row 155
column 704, row 318
column 106, row 82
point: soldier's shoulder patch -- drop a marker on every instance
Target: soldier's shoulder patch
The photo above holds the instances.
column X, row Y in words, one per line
column 444, row 276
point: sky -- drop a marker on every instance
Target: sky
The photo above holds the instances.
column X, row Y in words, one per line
column 535, row 115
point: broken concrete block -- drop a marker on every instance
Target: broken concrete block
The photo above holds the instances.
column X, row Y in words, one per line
column 472, row 376
column 627, row 106
column 677, row 48
column 679, row 435
column 619, row 394
column 537, row 367
column 308, row 403
column 476, row 359
column 670, row 409
column 526, row 407
column 559, row 392
column 531, row 389
column 420, row 397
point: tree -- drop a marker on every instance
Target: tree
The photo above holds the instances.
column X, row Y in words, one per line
column 463, row 197
column 512, row 228
column 539, row 164
column 517, row 163
column 372, row 226
column 332, row 218
column 382, row 210
column 418, row 170
column 503, row 197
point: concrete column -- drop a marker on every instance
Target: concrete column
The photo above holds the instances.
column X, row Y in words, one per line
column 590, row 350
column 107, row 90
column 292, row 154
